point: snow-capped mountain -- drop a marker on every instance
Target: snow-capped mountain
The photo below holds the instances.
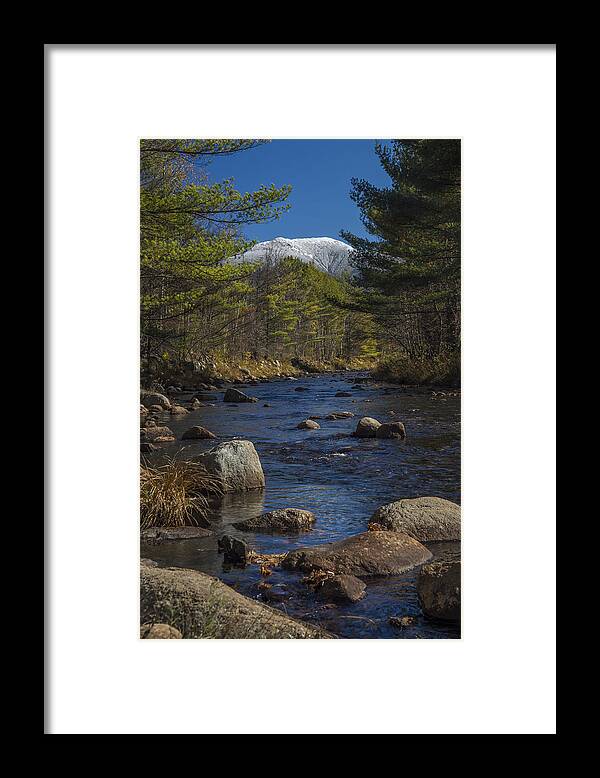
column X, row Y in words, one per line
column 328, row 254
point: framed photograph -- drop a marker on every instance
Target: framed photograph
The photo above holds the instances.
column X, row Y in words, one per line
column 328, row 275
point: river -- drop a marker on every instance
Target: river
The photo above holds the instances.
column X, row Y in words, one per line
column 341, row 479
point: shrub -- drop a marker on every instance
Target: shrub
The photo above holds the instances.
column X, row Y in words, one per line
column 440, row 370
column 175, row 494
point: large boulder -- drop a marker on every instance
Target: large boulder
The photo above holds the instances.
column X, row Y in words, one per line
column 342, row 588
column 200, row 606
column 392, row 430
column 367, row 427
column 438, row 587
column 426, row 519
column 148, row 399
column 370, row 553
column 235, row 396
column 198, row 433
column 282, row 520
column 236, row 464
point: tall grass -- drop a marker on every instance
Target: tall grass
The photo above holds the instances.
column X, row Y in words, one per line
column 440, row 370
column 175, row 494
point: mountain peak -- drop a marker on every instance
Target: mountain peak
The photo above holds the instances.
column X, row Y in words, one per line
column 327, row 254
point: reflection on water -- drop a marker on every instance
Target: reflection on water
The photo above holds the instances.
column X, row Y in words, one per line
column 340, row 478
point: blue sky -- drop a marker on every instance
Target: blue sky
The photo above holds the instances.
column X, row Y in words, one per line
column 319, row 172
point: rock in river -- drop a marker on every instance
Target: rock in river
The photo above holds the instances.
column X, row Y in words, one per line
column 370, row 553
column 154, row 433
column 198, row 433
column 308, row 424
column 438, row 587
column 233, row 550
column 342, row 588
column 200, row 606
column 343, row 394
column 235, row 396
column 236, row 465
column 154, row 398
column 367, row 427
column 339, row 415
column 392, row 430
column 282, row 520
column 178, row 410
column 423, row 518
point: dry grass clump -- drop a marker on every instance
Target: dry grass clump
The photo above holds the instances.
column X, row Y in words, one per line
column 175, row 494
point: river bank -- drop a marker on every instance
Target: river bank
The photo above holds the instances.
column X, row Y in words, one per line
column 341, row 479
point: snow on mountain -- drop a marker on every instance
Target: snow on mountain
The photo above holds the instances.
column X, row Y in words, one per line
column 327, row 254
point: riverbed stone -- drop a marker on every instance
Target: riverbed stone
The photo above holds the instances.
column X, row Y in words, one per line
column 393, row 430
column 236, row 464
column 438, row 588
column 308, row 424
column 198, row 433
column 233, row 549
column 339, row 415
column 201, row 606
column 158, row 534
column 153, row 433
column 342, row 588
column 235, row 396
column 281, row 520
column 367, row 554
column 343, row 394
column 367, row 427
column 148, row 399
column 159, row 631
column 427, row 519
column 178, row 410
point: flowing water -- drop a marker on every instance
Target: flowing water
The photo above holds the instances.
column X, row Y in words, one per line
column 341, row 479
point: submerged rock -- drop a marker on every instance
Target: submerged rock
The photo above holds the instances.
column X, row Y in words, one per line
column 158, row 534
column 438, row 587
column 343, row 394
column 367, row 428
column 282, row 520
column 308, row 424
column 370, row 553
column 200, row 606
column 391, row 429
column 236, row 464
column 155, row 398
column 235, row 396
column 339, row 415
column 198, row 433
column 342, row 588
column 159, row 631
column 424, row 518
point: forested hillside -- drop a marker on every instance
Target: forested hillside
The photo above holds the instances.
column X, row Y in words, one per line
column 195, row 305
column 400, row 311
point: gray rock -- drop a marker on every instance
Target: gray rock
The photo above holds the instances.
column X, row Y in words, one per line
column 155, row 398
column 198, row 433
column 236, row 464
column 159, row 631
column 339, row 415
column 438, row 587
column 426, row 519
column 343, row 394
column 176, row 533
column 367, row 428
column 370, row 553
column 234, row 550
column 200, row 606
column 178, row 410
column 308, row 424
column 281, row 520
column 153, row 433
column 235, row 396
column 391, row 430
column 342, row 588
